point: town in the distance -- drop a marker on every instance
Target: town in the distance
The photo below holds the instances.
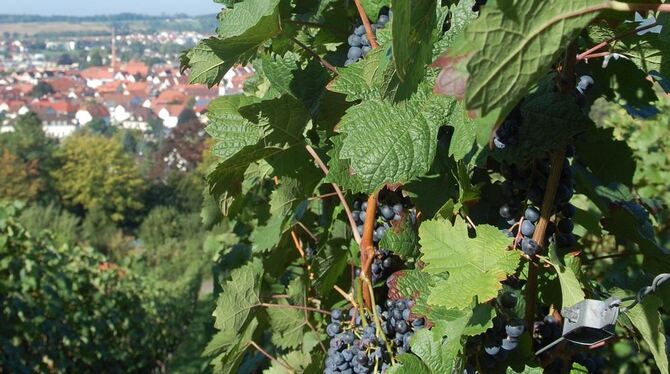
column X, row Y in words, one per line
column 102, row 75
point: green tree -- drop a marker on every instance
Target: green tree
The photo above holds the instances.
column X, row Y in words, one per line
column 41, row 89
column 96, row 172
column 98, row 229
column 17, row 180
column 95, row 58
column 65, row 59
column 34, row 153
column 99, row 126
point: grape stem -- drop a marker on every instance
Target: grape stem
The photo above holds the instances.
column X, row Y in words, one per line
column 323, row 62
column 298, row 307
column 307, row 231
column 338, row 191
column 589, row 53
column 366, row 23
column 297, row 244
column 271, row 357
column 367, row 247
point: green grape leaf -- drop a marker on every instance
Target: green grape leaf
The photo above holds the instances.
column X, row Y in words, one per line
column 526, row 370
column 412, row 29
column 623, row 217
column 467, row 192
column 409, row 364
column 437, row 353
column 283, row 122
column 228, row 348
column 571, row 288
column 388, row 143
column 622, row 82
column 330, row 263
column 283, row 75
column 287, row 326
column 647, row 322
column 596, row 150
column 372, row 7
column 296, row 360
column 238, row 297
column 340, row 171
column 401, row 238
column 475, row 265
column 549, row 120
column 509, row 48
column 230, row 130
column 465, row 134
column 241, row 31
column 416, row 285
column 364, row 79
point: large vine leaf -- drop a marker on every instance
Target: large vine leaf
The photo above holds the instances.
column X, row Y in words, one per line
column 509, row 48
column 364, row 79
column 372, row 7
column 283, row 203
column 475, row 265
column 412, row 29
column 401, row 239
column 596, row 150
column 238, row 297
column 283, row 122
column 230, row 130
column 287, row 326
column 388, row 143
column 229, row 348
column 571, row 289
column 647, row 322
column 241, row 31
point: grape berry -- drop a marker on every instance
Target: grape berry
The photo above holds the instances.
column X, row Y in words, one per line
column 359, row 45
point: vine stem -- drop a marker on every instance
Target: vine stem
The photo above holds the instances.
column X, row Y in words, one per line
column 589, row 52
column 297, row 244
column 297, row 307
column 566, row 84
column 557, row 159
column 323, row 62
column 366, row 23
column 271, row 357
column 338, row 191
column 367, row 248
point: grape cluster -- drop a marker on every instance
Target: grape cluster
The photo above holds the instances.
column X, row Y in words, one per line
column 388, row 211
column 399, row 326
column 508, row 133
column 354, row 348
column 478, row 4
column 359, row 45
column 545, row 331
column 383, row 264
column 391, row 207
column 592, row 364
column 501, row 339
column 514, row 191
column 562, row 207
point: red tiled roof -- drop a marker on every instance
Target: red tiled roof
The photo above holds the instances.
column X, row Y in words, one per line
column 97, row 72
column 135, row 67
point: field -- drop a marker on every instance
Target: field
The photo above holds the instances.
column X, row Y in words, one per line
column 53, row 28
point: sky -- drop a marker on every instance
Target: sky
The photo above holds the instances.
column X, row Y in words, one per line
column 94, row 7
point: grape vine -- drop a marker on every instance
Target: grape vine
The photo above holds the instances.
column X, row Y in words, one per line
column 466, row 192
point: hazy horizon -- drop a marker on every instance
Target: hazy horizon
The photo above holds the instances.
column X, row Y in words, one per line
column 97, row 7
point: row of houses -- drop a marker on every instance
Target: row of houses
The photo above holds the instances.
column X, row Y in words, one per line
column 131, row 96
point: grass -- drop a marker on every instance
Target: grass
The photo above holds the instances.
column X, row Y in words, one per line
column 187, row 358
